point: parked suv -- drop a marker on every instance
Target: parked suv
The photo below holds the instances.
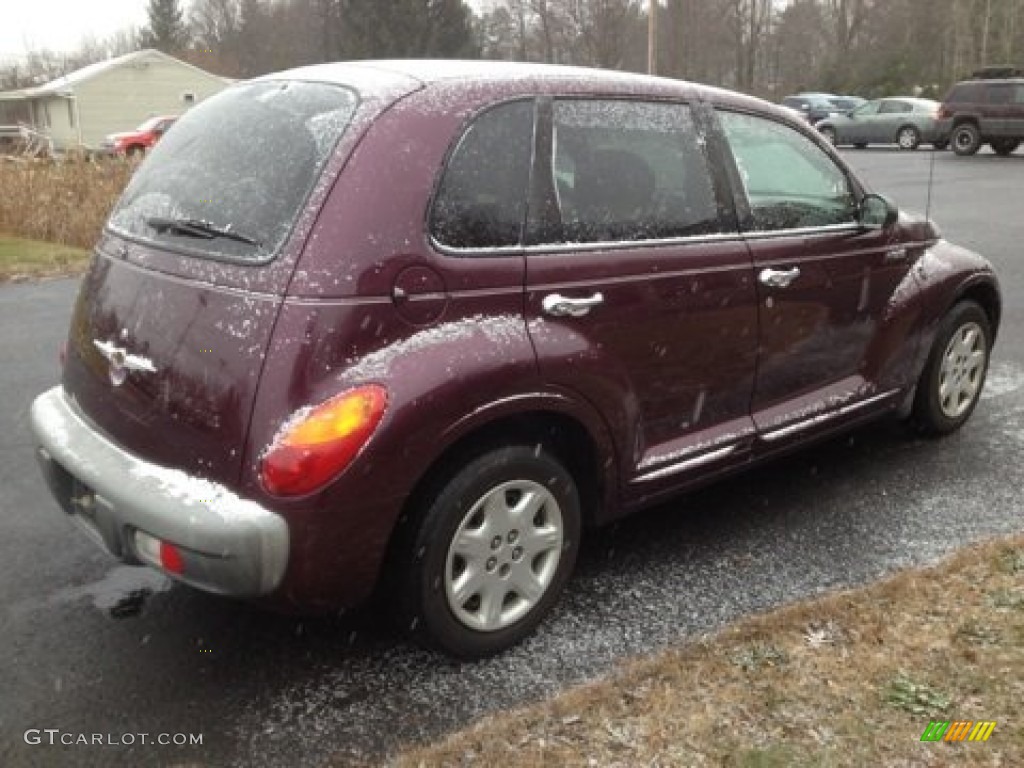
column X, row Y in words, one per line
column 984, row 111
column 408, row 327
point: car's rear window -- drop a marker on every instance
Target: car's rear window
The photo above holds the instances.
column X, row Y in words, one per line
column 230, row 178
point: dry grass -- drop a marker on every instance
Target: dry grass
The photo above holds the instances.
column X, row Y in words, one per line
column 850, row 679
column 65, row 202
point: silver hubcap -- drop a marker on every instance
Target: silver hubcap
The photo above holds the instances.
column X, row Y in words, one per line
column 963, row 367
column 964, row 139
column 504, row 555
column 906, row 139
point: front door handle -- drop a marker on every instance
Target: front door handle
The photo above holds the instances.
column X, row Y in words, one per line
column 565, row 306
column 778, row 278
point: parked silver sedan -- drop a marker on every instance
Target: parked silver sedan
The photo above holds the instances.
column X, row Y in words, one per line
column 906, row 122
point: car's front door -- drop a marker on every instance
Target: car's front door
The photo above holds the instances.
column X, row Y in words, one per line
column 861, row 124
column 639, row 290
column 823, row 280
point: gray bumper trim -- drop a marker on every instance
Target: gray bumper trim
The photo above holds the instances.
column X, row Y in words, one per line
column 230, row 545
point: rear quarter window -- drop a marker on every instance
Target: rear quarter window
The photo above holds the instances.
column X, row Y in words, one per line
column 964, row 93
column 481, row 200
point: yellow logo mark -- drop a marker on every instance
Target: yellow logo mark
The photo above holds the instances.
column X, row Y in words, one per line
column 961, row 730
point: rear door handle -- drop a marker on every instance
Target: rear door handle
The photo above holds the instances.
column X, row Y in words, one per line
column 778, row 278
column 565, row 306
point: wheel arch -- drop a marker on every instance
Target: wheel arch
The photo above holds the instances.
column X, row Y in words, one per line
column 584, row 454
column 986, row 295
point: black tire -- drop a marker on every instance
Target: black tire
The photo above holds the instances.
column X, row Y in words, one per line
column 933, row 414
column 429, row 569
column 829, row 133
column 1004, row 147
column 966, row 139
column 908, row 138
column 860, row 145
column 940, row 145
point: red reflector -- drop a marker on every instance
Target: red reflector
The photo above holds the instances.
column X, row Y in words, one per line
column 317, row 445
column 170, row 558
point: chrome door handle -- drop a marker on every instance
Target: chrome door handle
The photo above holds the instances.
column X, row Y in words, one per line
column 778, row 278
column 564, row 306
column 895, row 255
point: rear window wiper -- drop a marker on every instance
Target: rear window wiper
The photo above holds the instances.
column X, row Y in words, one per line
column 198, row 228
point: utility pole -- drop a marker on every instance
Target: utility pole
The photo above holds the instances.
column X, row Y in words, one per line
column 652, row 37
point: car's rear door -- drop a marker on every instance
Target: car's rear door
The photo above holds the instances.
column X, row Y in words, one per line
column 823, row 280
column 639, row 292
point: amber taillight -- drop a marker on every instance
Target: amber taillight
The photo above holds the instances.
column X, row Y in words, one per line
column 318, row 443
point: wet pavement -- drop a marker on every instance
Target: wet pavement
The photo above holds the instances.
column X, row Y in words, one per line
column 94, row 648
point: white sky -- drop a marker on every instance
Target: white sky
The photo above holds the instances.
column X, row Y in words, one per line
column 60, row 25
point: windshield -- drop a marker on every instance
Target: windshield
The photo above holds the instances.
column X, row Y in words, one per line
column 242, row 164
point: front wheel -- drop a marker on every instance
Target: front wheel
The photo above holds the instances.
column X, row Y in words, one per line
column 954, row 375
column 908, row 137
column 492, row 550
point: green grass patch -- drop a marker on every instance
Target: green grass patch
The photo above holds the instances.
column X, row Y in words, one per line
column 20, row 258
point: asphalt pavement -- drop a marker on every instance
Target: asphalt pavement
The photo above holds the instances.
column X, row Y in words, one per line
column 92, row 649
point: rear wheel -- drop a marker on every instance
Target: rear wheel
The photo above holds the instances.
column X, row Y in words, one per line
column 1004, row 147
column 490, row 553
column 966, row 139
column 954, row 375
column 908, row 137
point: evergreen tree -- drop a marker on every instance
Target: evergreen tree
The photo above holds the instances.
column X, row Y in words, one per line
column 403, row 29
column 166, row 30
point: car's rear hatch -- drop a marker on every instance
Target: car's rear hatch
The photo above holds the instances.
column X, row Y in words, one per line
column 175, row 317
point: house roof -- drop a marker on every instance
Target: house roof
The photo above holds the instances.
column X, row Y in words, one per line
column 66, row 83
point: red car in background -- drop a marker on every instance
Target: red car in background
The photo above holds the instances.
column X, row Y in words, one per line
column 142, row 138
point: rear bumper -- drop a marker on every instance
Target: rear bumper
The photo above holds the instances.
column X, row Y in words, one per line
column 228, row 545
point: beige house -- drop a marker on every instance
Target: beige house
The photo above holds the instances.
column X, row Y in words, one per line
column 82, row 107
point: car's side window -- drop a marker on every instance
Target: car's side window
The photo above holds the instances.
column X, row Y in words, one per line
column 894, row 107
column 629, row 171
column 790, row 182
column 1000, row 93
column 868, row 109
column 481, row 202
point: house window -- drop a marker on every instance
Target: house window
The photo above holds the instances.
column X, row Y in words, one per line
column 189, row 98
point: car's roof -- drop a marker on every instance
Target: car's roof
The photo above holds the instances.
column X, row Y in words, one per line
column 406, row 75
column 909, row 99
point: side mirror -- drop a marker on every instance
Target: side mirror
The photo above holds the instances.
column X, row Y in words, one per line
column 877, row 212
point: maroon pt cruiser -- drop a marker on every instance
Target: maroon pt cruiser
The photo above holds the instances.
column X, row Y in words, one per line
column 413, row 325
